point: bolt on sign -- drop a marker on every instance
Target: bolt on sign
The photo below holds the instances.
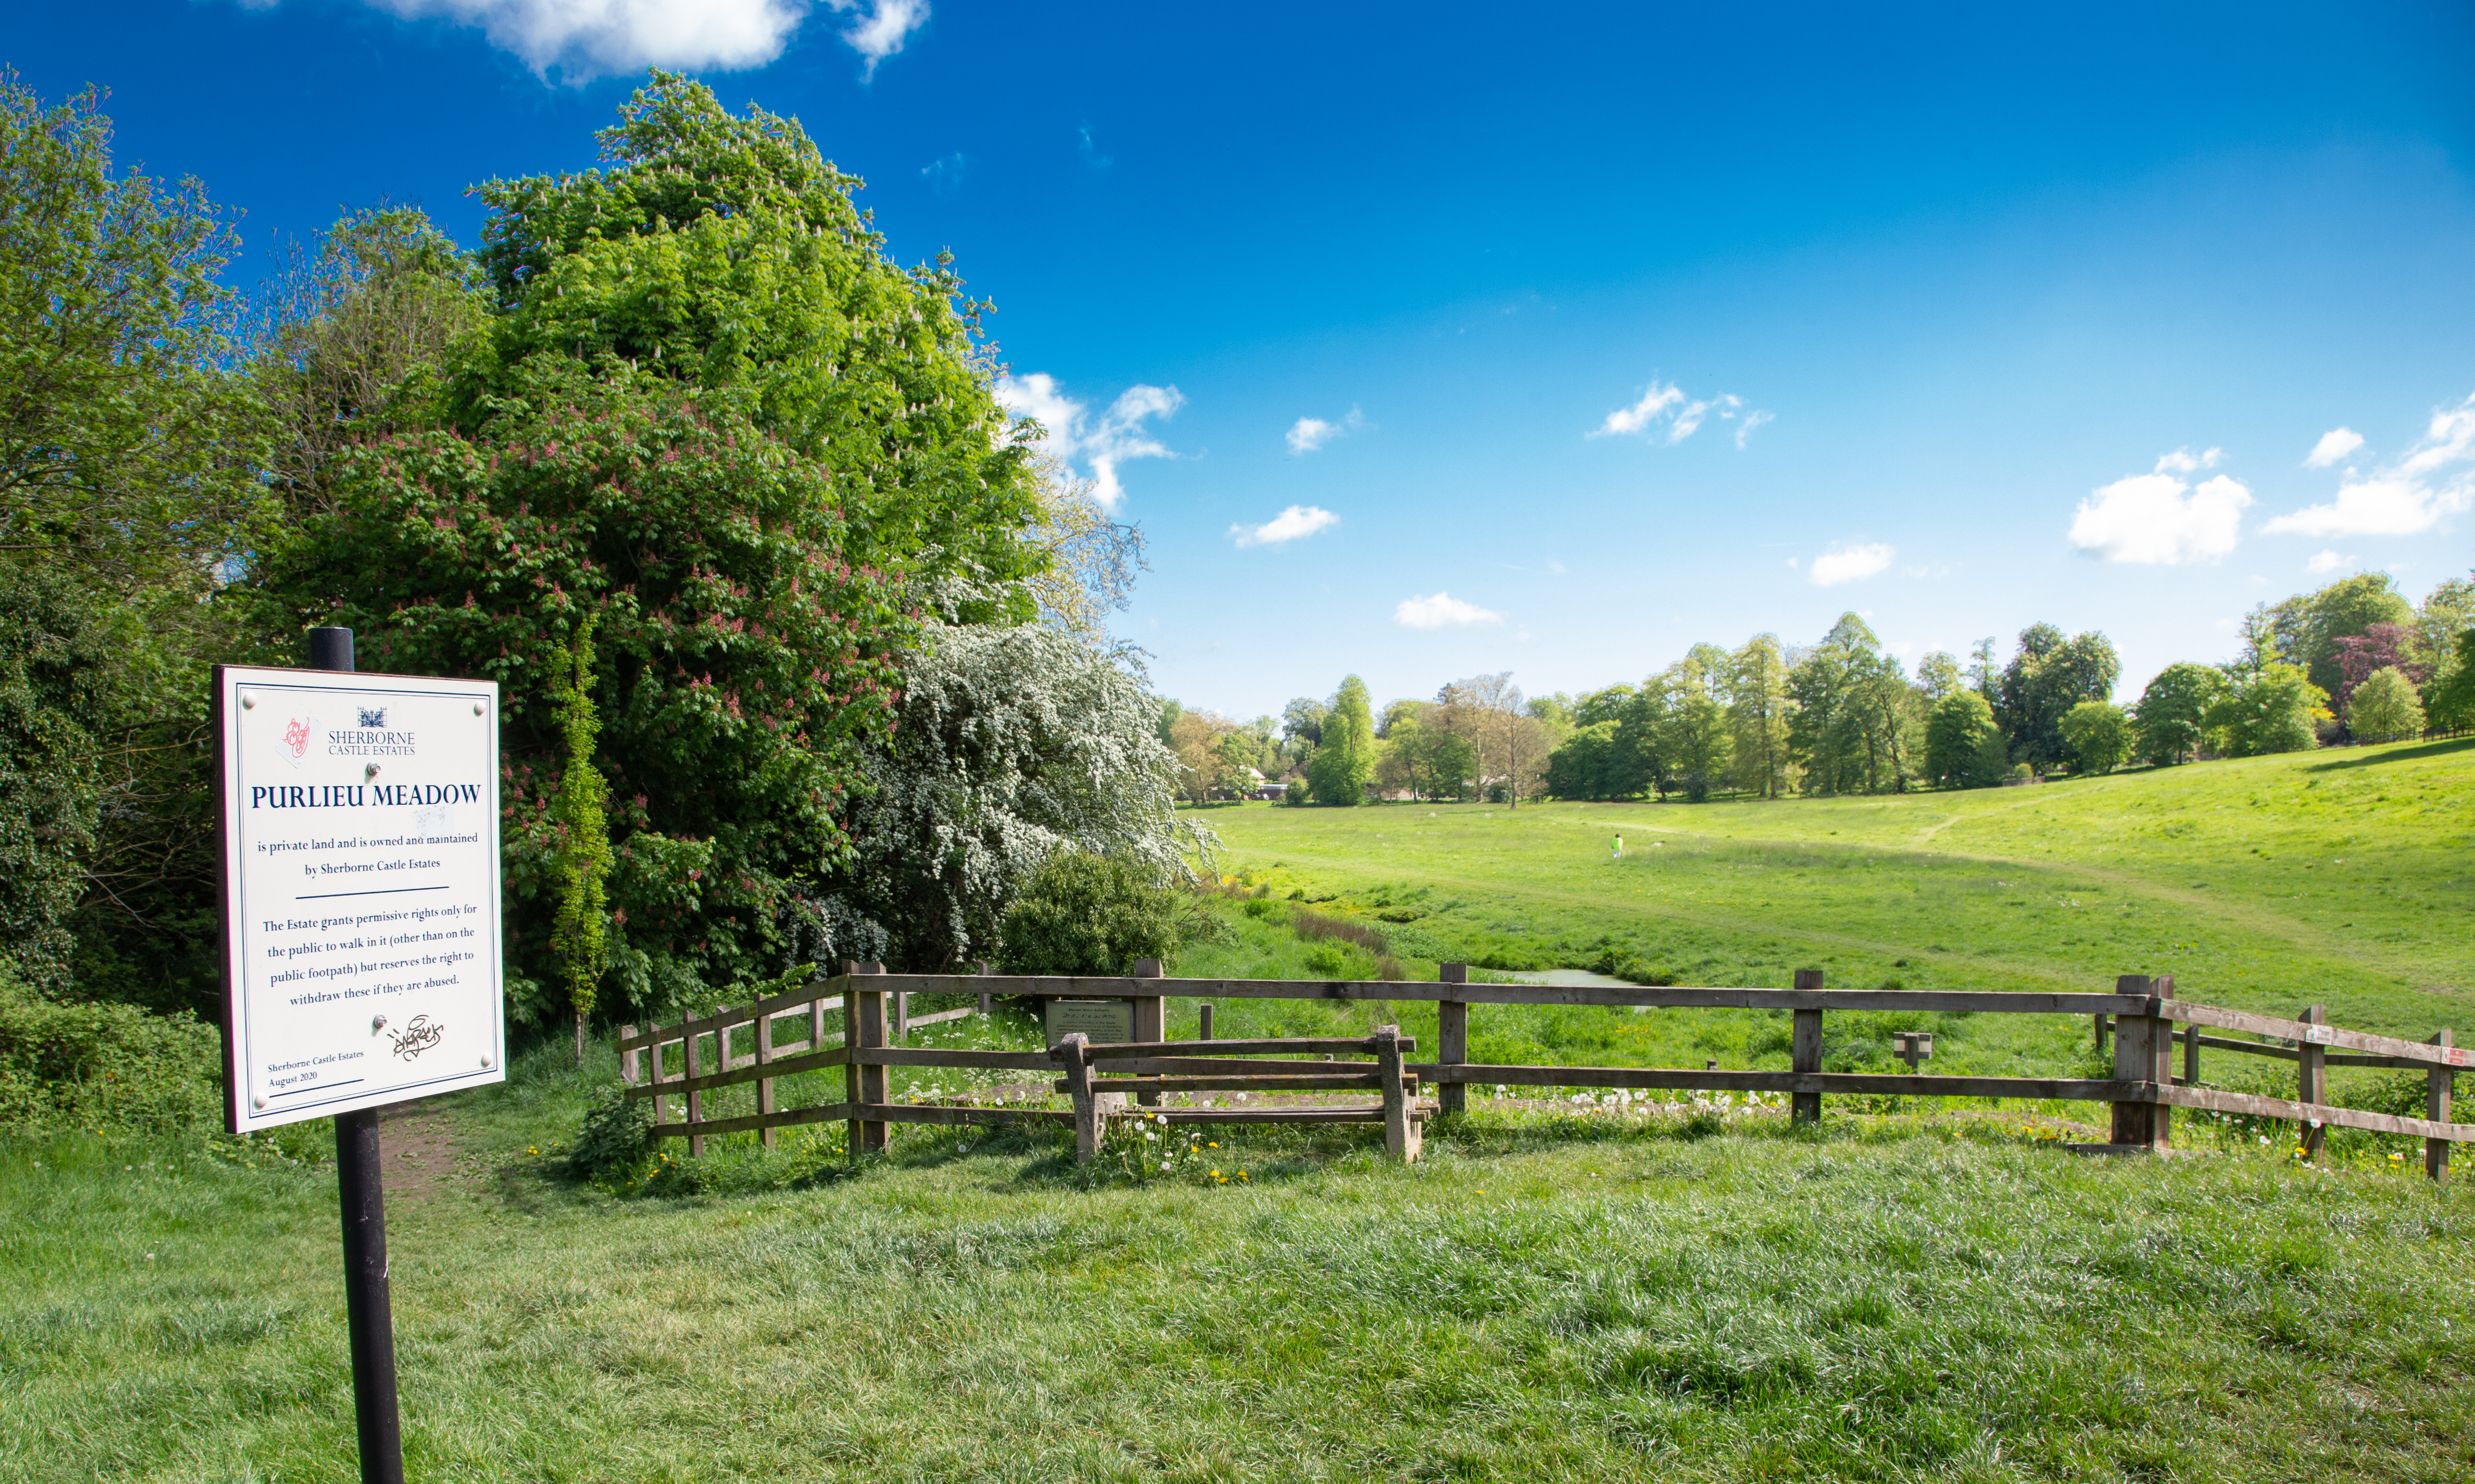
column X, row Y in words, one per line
column 359, row 826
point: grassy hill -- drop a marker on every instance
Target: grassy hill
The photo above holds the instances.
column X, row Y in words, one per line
column 2267, row 883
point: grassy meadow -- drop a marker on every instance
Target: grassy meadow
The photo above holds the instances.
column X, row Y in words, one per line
column 2340, row 878
column 1561, row 1290
column 1671, row 1297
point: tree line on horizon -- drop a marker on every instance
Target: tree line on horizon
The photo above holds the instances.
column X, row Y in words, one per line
column 2351, row 660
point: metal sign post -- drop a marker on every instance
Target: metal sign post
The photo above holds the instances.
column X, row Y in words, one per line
column 357, row 835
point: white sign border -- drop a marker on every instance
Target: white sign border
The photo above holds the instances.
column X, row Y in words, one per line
column 228, row 682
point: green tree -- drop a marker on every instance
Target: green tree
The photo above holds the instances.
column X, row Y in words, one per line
column 1582, row 766
column 1757, row 718
column 129, row 492
column 2271, row 708
column 2449, row 699
column 725, row 253
column 2046, row 677
column 2099, row 735
column 127, row 454
column 2171, row 718
column 1693, row 727
column 1964, row 747
column 2307, row 628
column 2385, row 706
column 1346, row 760
column 581, row 824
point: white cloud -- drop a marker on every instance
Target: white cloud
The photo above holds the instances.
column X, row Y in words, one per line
column 1069, row 431
column 1308, row 434
column 880, row 28
column 1849, row 564
column 1442, row 611
column 2158, row 520
column 945, row 175
column 2183, row 461
column 1684, row 416
column 2401, row 500
column 2327, row 561
column 587, row 39
column 2334, row 445
column 1291, row 524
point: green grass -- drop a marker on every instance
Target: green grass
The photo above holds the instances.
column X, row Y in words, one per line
column 2267, row 883
column 1681, row 1296
column 1560, row 1290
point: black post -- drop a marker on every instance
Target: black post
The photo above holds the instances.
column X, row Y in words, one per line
column 359, row 1168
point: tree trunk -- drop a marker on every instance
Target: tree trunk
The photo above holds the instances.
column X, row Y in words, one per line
column 579, row 1034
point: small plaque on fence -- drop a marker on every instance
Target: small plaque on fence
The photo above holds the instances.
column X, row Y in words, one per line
column 1103, row 1021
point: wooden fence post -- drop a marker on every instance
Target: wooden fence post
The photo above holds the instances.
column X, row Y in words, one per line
column 2144, row 1052
column 901, row 1018
column 2311, row 1082
column 654, row 1064
column 2436, row 1107
column 1452, row 1038
column 627, row 1057
column 692, row 1044
column 1151, row 1019
column 1089, row 1126
column 1804, row 1052
column 984, row 997
column 863, row 1026
column 1205, row 1015
column 765, row 1085
column 1400, row 1130
column 817, row 1024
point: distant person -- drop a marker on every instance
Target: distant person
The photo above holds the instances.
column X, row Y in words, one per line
column 1619, row 847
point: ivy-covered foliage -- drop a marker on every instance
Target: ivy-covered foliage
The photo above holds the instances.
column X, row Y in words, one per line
column 53, row 656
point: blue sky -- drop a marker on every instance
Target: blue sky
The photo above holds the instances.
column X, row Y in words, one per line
column 1425, row 341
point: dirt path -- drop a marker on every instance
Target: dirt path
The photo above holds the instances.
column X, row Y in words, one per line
column 422, row 1151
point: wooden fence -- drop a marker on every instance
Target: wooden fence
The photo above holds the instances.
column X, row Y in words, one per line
column 2138, row 1019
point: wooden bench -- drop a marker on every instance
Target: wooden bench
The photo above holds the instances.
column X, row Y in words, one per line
column 1145, row 1069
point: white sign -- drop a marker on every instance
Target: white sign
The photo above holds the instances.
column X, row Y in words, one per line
column 361, row 875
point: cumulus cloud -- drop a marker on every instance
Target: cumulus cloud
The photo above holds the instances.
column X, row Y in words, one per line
column 2334, row 445
column 1442, row 611
column 1850, row 563
column 2159, row 519
column 2327, row 561
column 1308, row 434
column 1667, row 414
column 2407, row 497
column 1291, row 524
column 587, row 39
column 1069, row 432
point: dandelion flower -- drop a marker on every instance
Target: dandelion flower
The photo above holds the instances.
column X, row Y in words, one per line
column 1163, row 1164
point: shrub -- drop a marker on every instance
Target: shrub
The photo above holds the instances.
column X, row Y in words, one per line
column 67, row 1066
column 1083, row 914
column 616, row 1140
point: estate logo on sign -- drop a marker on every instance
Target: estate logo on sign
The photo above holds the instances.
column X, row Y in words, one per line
column 362, row 910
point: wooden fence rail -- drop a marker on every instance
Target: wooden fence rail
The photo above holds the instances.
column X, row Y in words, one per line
column 2140, row 1020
